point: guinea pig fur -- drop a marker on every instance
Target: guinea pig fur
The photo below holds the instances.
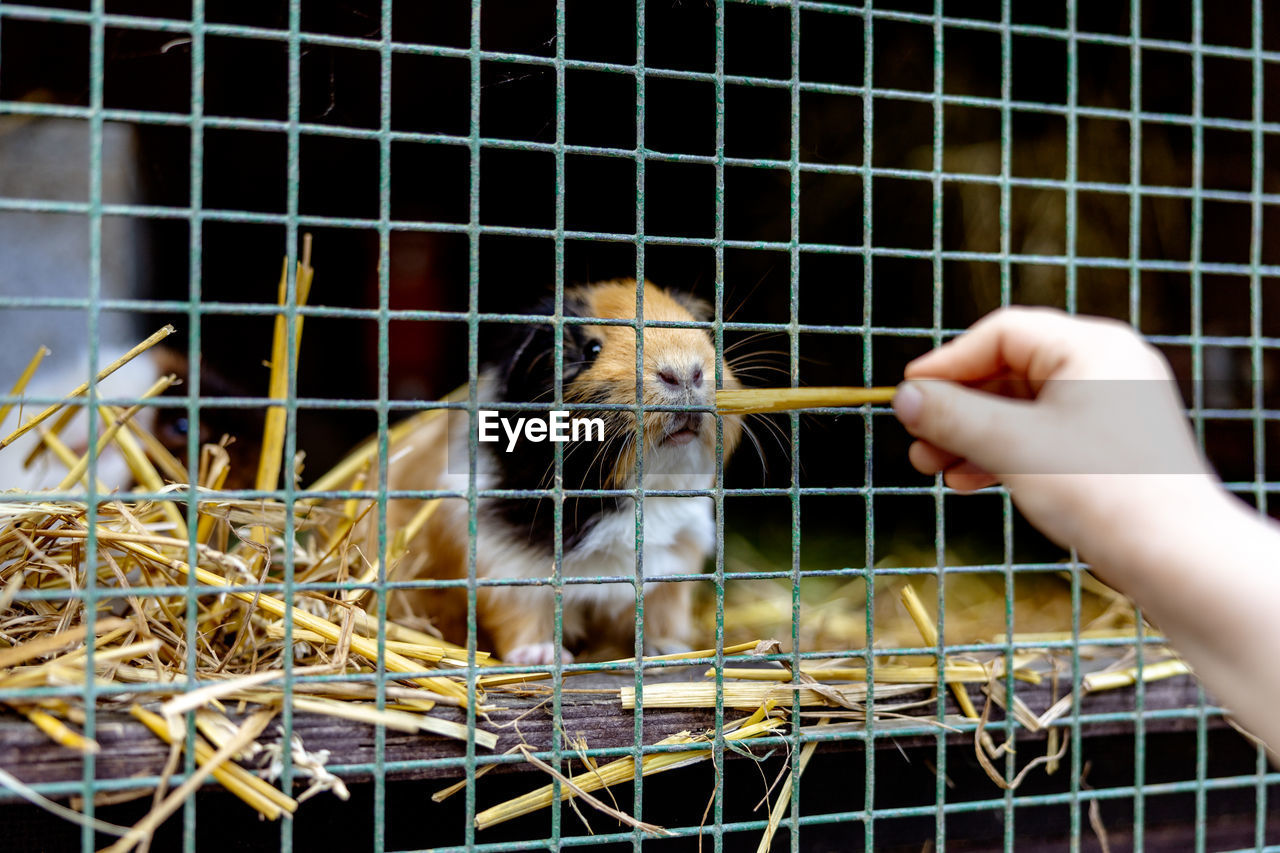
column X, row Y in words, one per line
column 515, row 537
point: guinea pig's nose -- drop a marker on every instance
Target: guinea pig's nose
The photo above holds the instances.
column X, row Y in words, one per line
column 674, row 378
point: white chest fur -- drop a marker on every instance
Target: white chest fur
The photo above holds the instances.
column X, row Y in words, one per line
column 671, row 525
column 678, row 534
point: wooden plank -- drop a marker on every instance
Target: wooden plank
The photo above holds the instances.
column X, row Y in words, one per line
column 128, row 749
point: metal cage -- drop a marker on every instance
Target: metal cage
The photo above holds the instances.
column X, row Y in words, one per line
column 1250, row 344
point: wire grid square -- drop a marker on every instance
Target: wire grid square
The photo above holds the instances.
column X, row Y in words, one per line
column 875, row 94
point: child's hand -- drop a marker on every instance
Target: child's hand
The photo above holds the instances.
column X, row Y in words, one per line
column 1077, row 402
column 1110, row 468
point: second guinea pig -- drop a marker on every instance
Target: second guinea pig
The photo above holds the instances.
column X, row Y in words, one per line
column 515, row 537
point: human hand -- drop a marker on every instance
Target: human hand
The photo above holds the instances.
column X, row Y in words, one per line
column 1079, row 418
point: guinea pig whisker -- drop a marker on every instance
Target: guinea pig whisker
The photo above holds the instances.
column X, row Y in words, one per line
column 548, row 474
column 755, row 442
column 595, row 466
column 533, row 362
column 749, row 363
column 754, row 372
column 743, row 303
column 545, row 481
column 537, row 398
column 754, row 357
column 732, row 348
column 574, row 449
column 616, row 445
column 755, row 336
column 625, row 448
column 774, row 430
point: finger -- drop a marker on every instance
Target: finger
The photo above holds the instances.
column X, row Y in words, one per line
column 1006, row 385
column 967, row 477
column 930, row 459
column 1010, row 339
column 987, row 430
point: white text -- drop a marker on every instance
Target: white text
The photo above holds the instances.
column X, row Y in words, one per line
column 557, row 427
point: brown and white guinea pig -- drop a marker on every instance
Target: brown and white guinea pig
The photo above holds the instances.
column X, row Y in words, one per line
column 515, row 537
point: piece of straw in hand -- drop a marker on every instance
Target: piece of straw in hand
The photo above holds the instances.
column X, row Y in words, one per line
column 747, row 401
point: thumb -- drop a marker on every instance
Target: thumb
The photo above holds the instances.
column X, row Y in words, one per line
column 983, row 428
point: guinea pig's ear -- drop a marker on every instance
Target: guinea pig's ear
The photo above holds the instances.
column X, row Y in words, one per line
column 700, row 309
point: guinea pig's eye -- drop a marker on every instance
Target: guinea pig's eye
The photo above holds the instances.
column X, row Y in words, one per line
column 173, row 433
column 593, row 349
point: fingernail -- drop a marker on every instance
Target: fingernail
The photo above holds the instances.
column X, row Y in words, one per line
column 907, row 402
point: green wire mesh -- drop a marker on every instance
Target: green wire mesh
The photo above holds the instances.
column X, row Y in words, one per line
column 867, row 816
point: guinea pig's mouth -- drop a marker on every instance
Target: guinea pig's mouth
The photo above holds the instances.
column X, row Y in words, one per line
column 681, row 428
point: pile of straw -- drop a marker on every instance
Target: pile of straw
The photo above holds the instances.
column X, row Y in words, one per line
column 67, row 616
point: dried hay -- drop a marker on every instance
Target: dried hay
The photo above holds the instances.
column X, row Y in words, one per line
column 140, row 631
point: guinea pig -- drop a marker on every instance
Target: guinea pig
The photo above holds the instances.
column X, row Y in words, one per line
column 515, row 537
